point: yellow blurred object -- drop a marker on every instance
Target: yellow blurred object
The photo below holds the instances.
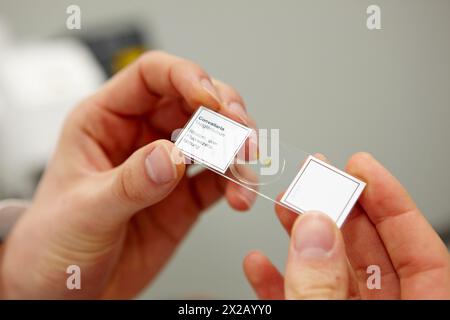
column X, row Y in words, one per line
column 267, row 162
column 125, row 57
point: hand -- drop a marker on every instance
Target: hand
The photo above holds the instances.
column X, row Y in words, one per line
column 114, row 199
column 385, row 229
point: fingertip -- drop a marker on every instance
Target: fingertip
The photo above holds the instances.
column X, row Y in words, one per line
column 358, row 161
column 209, row 96
column 317, row 265
column 252, row 258
column 314, row 215
column 252, row 264
column 195, row 86
column 321, row 156
column 313, row 230
column 233, row 105
column 239, row 197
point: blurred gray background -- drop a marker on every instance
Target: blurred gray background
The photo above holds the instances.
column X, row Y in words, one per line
column 310, row 68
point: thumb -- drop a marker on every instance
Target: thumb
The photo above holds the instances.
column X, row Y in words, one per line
column 317, row 265
column 145, row 178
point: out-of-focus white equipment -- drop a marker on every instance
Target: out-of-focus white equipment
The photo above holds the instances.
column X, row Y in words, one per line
column 40, row 82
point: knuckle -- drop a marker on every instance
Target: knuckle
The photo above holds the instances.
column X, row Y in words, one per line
column 317, row 286
column 125, row 190
column 325, row 291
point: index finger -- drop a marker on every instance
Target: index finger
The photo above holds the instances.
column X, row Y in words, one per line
column 136, row 89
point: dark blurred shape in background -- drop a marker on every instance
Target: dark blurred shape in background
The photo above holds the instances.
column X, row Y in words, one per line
column 116, row 48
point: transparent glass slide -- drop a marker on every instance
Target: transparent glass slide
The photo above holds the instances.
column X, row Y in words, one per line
column 263, row 164
column 259, row 160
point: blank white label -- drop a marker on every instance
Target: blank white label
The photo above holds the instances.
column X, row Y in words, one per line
column 321, row 187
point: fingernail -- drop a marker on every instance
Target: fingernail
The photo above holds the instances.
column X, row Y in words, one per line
column 314, row 235
column 210, row 89
column 238, row 110
column 177, row 157
column 247, row 196
column 159, row 165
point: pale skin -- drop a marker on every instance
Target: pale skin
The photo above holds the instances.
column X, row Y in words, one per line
column 101, row 205
column 385, row 229
column 97, row 206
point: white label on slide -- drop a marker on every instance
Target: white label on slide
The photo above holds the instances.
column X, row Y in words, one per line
column 321, row 187
column 212, row 139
